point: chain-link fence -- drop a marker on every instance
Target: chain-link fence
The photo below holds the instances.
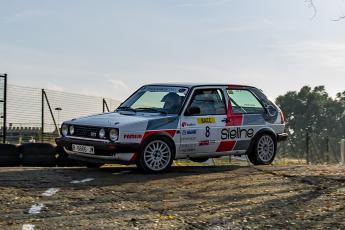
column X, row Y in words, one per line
column 36, row 114
column 308, row 147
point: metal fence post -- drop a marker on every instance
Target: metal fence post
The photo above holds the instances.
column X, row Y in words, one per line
column 42, row 116
column 4, row 104
column 307, row 147
column 342, row 149
column 5, row 109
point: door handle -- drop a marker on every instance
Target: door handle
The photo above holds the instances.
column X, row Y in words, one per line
column 226, row 120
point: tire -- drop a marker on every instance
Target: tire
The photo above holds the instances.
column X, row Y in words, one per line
column 38, row 154
column 9, row 155
column 264, row 152
column 156, row 156
column 93, row 165
column 63, row 160
column 200, row 159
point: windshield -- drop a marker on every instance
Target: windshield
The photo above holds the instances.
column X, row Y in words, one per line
column 156, row 99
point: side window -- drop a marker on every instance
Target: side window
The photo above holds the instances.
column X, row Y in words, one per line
column 209, row 101
column 243, row 101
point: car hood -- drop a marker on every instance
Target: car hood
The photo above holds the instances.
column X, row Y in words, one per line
column 120, row 119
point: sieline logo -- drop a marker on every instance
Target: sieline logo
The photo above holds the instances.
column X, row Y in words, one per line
column 237, row 133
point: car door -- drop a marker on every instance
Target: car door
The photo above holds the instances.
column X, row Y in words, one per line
column 202, row 120
column 245, row 118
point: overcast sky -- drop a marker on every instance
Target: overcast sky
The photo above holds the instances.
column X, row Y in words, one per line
column 112, row 47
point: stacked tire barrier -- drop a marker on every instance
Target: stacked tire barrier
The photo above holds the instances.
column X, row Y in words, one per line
column 9, row 155
column 35, row 155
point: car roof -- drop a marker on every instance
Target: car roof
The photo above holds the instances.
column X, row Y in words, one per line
column 192, row 85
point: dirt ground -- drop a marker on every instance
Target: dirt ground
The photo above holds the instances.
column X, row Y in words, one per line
column 223, row 197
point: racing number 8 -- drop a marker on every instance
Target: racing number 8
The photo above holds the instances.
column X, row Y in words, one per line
column 207, row 133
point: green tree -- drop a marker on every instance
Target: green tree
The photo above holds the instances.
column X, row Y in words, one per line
column 313, row 111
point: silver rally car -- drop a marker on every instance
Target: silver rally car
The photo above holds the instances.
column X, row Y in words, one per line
column 163, row 122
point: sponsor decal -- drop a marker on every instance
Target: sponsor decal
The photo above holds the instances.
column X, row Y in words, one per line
column 206, row 120
column 204, row 143
column 185, row 124
column 133, row 136
column 188, row 148
column 188, row 138
column 237, row 133
column 188, row 132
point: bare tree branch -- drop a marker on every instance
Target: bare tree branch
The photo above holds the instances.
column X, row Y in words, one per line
column 339, row 18
column 310, row 4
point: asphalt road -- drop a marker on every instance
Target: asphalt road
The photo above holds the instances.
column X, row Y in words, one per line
column 226, row 197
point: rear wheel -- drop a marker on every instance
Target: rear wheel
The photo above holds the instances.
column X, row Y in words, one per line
column 264, row 150
column 156, row 156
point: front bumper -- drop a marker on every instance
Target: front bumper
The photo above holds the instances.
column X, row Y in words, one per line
column 105, row 151
column 282, row 137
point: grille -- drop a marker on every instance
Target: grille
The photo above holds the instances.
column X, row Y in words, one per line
column 83, row 131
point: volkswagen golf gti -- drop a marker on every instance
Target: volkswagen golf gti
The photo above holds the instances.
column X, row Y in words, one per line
column 160, row 123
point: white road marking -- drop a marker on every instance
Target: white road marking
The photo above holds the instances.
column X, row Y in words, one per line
column 28, row 227
column 50, row 192
column 82, row 181
column 120, row 173
column 36, row 209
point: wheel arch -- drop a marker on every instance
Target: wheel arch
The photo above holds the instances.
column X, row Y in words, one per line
column 262, row 131
column 160, row 135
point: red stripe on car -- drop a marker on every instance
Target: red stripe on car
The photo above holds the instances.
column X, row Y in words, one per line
column 225, row 146
column 233, row 119
column 134, row 158
column 171, row 133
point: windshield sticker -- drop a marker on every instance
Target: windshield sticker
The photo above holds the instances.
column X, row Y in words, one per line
column 165, row 89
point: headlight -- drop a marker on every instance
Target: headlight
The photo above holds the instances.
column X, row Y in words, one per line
column 71, row 130
column 101, row 133
column 64, row 130
column 114, row 134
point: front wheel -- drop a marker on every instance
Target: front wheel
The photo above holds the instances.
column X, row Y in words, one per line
column 156, row 156
column 264, row 151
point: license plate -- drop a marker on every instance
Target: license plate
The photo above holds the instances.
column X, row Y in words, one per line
column 83, row 149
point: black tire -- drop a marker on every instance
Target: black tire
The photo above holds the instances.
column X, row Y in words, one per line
column 38, row 154
column 93, row 165
column 144, row 165
column 63, row 160
column 200, row 159
column 264, row 151
column 9, row 155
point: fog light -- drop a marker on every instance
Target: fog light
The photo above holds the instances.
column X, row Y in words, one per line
column 71, row 130
column 102, row 133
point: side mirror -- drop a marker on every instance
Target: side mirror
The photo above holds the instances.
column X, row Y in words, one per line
column 192, row 111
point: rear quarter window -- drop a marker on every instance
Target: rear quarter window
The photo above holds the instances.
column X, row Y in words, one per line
column 244, row 101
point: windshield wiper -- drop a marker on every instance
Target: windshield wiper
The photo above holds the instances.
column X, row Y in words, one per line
column 153, row 110
column 126, row 108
